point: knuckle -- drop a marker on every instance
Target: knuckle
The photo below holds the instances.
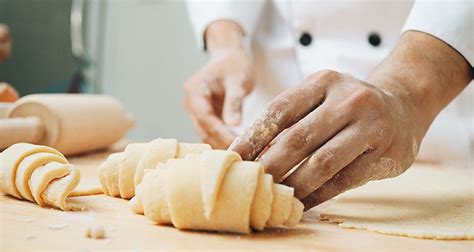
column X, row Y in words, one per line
column 323, row 160
column 296, row 139
column 323, row 77
column 328, row 74
column 364, row 96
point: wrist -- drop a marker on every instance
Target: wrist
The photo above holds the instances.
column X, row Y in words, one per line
column 424, row 73
column 223, row 35
column 411, row 104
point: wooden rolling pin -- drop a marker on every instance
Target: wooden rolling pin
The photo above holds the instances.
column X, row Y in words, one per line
column 71, row 123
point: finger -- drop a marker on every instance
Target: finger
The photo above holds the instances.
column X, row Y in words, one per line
column 281, row 113
column 329, row 159
column 4, row 33
column 201, row 132
column 220, row 140
column 215, row 142
column 212, row 129
column 235, row 92
column 303, row 138
column 365, row 168
column 217, row 137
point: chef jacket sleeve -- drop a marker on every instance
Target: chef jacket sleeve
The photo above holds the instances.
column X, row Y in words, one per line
column 450, row 21
column 243, row 12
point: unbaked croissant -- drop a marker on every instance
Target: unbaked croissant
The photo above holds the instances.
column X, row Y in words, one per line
column 39, row 174
column 120, row 174
column 217, row 191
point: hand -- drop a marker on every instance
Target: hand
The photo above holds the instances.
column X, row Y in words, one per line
column 214, row 95
column 347, row 132
column 7, row 93
column 5, row 42
column 341, row 132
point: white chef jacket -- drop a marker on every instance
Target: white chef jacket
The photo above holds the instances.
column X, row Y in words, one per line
column 290, row 39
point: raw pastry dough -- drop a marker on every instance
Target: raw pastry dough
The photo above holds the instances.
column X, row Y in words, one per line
column 122, row 172
column 422, row 203
column 215, row 191
column 86, row 190
column 39, row 174
column 95, row 231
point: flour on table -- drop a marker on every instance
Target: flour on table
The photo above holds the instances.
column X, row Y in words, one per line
column 57, row 226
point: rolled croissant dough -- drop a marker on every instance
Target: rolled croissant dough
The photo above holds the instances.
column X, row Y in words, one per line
column 424, row 202
column 122, row 172
column 198, row 193
column 39, row 174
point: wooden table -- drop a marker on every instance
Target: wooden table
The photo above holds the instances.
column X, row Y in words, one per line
column 25, row 225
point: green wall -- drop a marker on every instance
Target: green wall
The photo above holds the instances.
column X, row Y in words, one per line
column 41, row 59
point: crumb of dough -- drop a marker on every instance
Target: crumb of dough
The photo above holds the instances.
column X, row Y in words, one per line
column 57, row 226
column 95, row 231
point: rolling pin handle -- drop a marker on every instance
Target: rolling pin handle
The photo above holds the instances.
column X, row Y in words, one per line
column 18, row 130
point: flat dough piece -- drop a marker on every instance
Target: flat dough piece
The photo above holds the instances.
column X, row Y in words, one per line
column 86, row 190
column 422, row 203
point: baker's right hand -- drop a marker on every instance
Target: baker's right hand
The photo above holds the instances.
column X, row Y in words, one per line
column 214, row 95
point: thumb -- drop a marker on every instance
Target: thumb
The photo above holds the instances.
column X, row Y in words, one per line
column 235, row 93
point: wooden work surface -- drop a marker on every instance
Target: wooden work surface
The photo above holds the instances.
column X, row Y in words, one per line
column 25, row 225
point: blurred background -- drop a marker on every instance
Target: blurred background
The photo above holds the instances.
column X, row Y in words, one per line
column 140, row 51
